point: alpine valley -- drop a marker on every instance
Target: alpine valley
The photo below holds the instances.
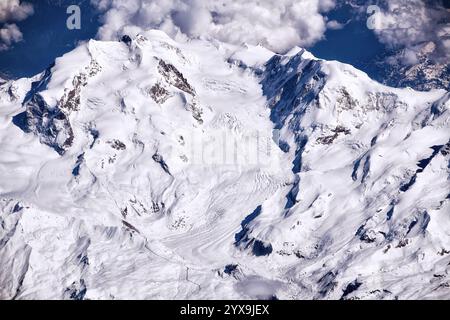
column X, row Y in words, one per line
column 151, row 169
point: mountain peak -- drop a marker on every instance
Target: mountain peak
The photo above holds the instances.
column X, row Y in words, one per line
column 213, row 166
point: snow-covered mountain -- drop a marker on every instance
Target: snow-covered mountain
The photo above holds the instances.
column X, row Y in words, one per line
column 424, row 74
column 152, row 169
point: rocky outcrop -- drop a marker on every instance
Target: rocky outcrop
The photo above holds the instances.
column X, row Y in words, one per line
column 51, row 125
column 175, row 77
column 70, row 101
column 159, row 94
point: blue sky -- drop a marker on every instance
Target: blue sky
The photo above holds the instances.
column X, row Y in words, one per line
column 46, row 37
column 354, row 44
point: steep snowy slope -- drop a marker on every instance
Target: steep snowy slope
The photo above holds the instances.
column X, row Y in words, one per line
column 153, row 169
column 370, row 208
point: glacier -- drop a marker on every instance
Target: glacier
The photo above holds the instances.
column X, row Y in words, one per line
column 155, row 169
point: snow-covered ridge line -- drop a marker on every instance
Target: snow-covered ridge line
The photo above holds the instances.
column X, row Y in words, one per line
column 147, row 168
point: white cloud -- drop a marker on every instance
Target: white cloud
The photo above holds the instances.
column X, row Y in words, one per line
column 408, row 23
column 279, row 25
column 9, row 34
column 409, row 57
column 335, row 25
column 12, row 11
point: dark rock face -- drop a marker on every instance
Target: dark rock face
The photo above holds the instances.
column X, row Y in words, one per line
column 422, row 164
column 230, row 268
column 365, row 235
column 77, row 290
column 426, row 74
column 291, row 88
column 71, row 99
column 175, row 77
column 40, row 85
column 290, row 92
column 159, row 159
column 382, row 101
column 196, row 112
column 261, row 248
column 159, row 94
column 446, row 149
column 243, row 238
column 51, row 125
column 117, row 144
column 76, row 169
column 126, row 39
column 351, row 287
column 327, row 283
column 329, row 139
column 345, row 101
column 10, row 91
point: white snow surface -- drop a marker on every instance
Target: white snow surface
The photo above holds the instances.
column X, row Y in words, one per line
column 201, row 170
